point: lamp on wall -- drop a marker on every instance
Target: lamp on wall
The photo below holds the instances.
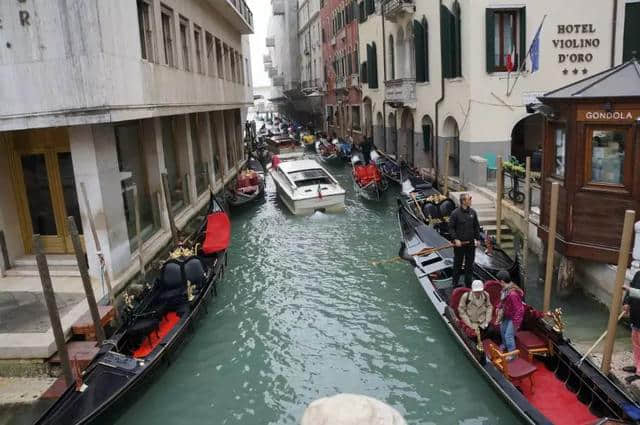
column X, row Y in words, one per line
column 608, row 107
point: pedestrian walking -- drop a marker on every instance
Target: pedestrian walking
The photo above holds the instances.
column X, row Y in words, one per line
column 464, row 229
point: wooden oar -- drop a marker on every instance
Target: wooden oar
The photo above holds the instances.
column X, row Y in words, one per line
column 423, row 252
column 598, row 341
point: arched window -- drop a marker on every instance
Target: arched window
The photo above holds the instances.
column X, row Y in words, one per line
column 410, row 52
column 372, row 61
column 392, row 58
column 400, row 54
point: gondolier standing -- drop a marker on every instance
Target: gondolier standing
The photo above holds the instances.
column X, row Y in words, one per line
column 464, row 229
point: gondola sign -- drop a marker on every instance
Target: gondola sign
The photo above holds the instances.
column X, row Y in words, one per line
column 619, row 116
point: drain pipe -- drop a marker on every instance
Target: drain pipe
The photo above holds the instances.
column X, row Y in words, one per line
column 437, row 107
column 613, row 33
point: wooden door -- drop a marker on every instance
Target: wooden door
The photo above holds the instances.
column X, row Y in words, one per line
column 44, row 184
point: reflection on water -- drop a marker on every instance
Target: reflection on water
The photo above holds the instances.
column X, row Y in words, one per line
column 303, row 314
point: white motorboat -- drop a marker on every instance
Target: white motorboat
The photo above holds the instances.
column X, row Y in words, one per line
column 306, row 187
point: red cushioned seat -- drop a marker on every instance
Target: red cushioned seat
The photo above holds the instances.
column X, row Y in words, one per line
column 530, row 340
column 493, row 288
column 218, row 233
column 453, row 303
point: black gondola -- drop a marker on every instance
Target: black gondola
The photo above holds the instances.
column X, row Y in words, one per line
column 568, row 392
column 248, row 186
column 154, row 326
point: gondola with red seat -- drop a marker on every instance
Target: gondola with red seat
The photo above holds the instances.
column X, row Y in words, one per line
column 367, row 179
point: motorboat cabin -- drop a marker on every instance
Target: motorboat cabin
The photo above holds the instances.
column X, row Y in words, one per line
column 306, row 187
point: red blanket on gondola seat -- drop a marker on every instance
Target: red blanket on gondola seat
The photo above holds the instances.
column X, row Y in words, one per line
column 366, row 174
column 218, row 233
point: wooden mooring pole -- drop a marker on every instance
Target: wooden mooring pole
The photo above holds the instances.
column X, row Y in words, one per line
column 499, row 192
column 551, row 245
column 5, row 255
column 86, row 280
column 447, row 150
column 616, row 297
column 52, row 308
column 167, row 201
column 527, row 214
column 136, row 205
column 96, row 242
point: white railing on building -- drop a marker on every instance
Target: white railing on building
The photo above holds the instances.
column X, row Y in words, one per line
column 355, row 80
column 267, row 59
column 396, row 9
column 270, row 41
column 278, row 81
column 401, row 90
column 341, row 83
column 243, row 10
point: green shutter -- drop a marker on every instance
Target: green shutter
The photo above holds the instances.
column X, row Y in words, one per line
column 456, row 28
column 491, row 35
column 426, row 137
column 425, row 27
column 445, row 39
column 631, row 40
column 363, row 13
column 523, row 38
column 364, row 73
column 373, row 65
column 369, row 65
column 371, row 7
column 418, row 34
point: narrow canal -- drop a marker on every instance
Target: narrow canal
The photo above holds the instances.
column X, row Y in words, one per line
column 303, row 314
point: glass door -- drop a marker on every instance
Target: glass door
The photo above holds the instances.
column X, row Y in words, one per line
column 45, row 188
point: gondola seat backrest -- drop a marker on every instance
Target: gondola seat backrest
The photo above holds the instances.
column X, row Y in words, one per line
column 171, row 276
column 431, row 210
column 494, row 289
column 194, row 271
column 446, row 207
column 455, row 298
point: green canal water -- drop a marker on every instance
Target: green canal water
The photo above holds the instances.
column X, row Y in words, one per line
column 302, row 314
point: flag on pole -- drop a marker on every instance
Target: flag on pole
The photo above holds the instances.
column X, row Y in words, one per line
column 535, row 51
column 509, row 61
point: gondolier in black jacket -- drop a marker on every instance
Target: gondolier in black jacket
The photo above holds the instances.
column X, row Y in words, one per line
column 464, row 229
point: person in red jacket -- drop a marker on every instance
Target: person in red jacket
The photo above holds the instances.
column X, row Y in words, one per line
column 512, row 310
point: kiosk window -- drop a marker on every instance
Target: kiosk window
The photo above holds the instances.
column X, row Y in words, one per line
column 559, row 149
column 607, row 155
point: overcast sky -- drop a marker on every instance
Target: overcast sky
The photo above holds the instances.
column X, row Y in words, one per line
column 261, row 11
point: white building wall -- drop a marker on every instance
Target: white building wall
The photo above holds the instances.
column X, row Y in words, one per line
column 478, row 102
column 84, row 56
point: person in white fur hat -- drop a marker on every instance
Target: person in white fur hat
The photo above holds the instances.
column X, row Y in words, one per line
column 350, row 409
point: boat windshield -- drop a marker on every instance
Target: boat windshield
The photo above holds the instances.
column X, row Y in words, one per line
column 310, row 177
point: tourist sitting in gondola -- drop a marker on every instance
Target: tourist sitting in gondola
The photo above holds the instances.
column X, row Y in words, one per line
column 475, row 309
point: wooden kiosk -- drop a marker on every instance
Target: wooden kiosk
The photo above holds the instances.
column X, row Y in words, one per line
column 592, row 148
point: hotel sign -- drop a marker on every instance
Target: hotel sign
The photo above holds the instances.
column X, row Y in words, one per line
column 577, row 44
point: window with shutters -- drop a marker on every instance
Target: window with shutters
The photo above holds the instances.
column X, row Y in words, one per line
column 184, row 43
column 371, row 7
column 372, row 66
column 506, row 33
column 363, row 12
column 451, row 41
column 392, row 59
column 219, row 58
column 145, row 23
column 197, row 39
column 631, row 41
column 421, row 50
column 364, row 77
column 167, row 35
column 208, row 40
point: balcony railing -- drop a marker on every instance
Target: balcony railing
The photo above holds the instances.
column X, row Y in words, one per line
column 270, row 41
column 354, row 80
column 266, row 59
column 341, row 83
column 401, row 90
column 244, row 10
column 395, row 9
column 278, row 81
column 273, row 72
